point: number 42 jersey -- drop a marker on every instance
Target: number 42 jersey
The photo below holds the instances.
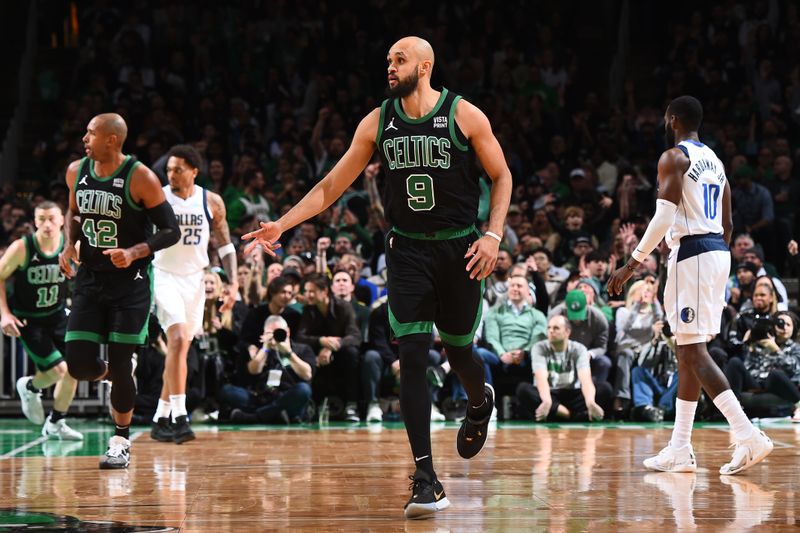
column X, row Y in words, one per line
column 430, row 182
column 109, row 216
column 700, row 209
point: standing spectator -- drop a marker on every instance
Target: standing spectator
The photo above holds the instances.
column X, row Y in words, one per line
column 328, row 325
column 753, row 208
column 563, row 386
column 250, row 203
column 497, row 283
column 554, row 276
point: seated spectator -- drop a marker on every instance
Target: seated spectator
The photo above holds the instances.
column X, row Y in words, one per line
column 497, row 282
column 767, row 281
column 765, row 305
column 553, row 276
column 328, row 326
column 596, row 270
column 741, row 285
column 638, row 324
column 221, row 328
column 563, row 241
column 279, row 295
column 755, row 255
column 654, row 379
column 582, row 246
column 538, row 296
column 511, row 329
column 343, row 288
column 771, row 361
column 272, row 383
column 589, row 327
column 382, row 360
column 563, row 386
column 365, row 291
column 593, row 300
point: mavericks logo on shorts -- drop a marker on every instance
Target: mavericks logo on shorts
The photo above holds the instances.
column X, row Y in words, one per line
column 687, row 314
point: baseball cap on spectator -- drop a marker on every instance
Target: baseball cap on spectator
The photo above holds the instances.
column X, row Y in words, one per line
column 747, row 265
column 534, row 181
column 577, row 173
column 575, row 303
column 308, row 257
column 221, row 273
column 594, row 284
column 583, row 239
column 514, row 208
column 346, row 235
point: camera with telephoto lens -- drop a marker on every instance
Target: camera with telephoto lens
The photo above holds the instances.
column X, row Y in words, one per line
column 279, row 334
column 764, row 327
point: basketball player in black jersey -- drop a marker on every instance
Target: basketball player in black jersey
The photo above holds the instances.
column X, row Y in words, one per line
column 37, row 316
column 436, row 258
column 114, row 201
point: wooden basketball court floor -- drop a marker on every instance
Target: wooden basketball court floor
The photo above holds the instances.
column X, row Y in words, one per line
column 339, row 478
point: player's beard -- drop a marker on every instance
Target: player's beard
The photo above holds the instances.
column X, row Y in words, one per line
column 669, row 136
column 404, row 87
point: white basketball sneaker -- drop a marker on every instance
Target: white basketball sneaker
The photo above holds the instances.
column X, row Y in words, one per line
column 59, row 430
column 747, row 453
column 672, row 459
column 31, row 402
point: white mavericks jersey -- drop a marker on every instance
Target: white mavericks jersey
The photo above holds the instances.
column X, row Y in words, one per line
column 700, row 209
column 190, row 254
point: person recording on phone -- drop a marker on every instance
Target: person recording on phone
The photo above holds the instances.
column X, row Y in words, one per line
column 272, row 384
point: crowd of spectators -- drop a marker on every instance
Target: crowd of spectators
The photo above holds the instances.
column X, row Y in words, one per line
column 271, row 98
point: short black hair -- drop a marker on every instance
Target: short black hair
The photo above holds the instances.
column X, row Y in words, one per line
column 276, row 285
column 320, row 281
column 596, row 255
column 689, row 111
column 545, row 251
column 188, row 153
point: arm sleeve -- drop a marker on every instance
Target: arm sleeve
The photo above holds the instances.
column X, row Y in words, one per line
column 542, row 298
column 167, row 230
column 660, row 223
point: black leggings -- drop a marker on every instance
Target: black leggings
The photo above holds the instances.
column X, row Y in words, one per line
column 84, row 362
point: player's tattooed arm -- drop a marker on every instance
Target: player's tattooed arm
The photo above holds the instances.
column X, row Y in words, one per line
column 225, row 249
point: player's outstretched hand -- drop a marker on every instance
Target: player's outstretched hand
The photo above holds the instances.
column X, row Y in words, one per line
column 483, row 256
column 120, row 257
column 618, row 280
column 67, row 261
column 267, row 236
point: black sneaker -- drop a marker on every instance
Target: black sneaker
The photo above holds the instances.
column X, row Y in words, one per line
column 181, row 430
column 240, row 417
column 472, row 433
column 427, row 496
column 161, row 430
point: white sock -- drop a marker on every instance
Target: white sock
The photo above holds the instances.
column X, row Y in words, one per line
column 162, row 411
column 684, row 420
column 729, row 406
column 178, row 404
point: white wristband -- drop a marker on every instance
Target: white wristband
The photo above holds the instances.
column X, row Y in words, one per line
column 493, row 236
column 225, row 250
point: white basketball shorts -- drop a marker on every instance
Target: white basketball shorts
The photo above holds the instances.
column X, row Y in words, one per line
column 694, row 295
column 179, row 299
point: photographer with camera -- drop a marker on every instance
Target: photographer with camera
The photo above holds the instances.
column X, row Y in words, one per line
column 273, row 381
column 770, row 362
column 753, row 324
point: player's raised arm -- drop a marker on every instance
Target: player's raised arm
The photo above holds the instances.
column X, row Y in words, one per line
column 476, row 127
column 328, row 190
column 146, row 189
column 671, row 166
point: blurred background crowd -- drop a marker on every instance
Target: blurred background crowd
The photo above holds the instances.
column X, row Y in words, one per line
column 270, row 93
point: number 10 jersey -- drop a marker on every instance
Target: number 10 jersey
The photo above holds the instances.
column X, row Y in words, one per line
column 700, row 209
column 430, row 182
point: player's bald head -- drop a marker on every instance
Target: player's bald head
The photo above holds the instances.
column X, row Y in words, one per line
column 111, row 124
column 415, row 48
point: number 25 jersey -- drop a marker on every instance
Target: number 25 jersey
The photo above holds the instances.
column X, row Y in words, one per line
column 430, row 182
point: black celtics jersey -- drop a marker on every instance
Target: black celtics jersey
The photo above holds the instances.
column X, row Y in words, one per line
column 109, row 216
column 39, row 285
column 430, row 185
